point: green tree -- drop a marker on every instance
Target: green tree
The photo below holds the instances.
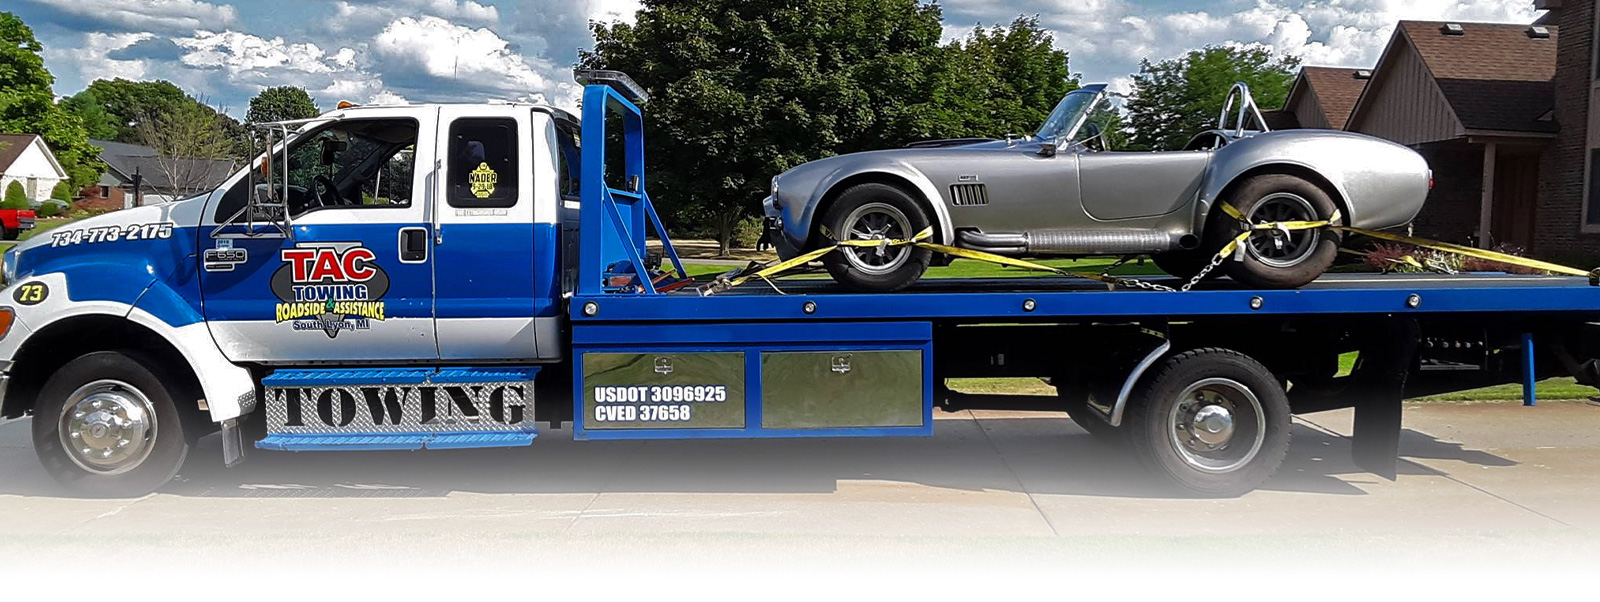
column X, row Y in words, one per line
column 16, row 198
column 742, row 90
column 27, row 103
column 1175, row 99
column 997, row 81
column 127, row 101
column 281, row 103
column 97, row 122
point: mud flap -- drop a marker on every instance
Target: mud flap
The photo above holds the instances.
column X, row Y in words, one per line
column 1386, row 360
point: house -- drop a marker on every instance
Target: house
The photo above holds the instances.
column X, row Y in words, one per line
column 1568, row 221
column 1478, row 101
column 1321, row 98
column 26, row 159
column 160, row 178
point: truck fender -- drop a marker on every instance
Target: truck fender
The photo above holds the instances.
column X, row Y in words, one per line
column 229, row 390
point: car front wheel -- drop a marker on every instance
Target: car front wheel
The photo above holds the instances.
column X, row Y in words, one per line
column 876, row 213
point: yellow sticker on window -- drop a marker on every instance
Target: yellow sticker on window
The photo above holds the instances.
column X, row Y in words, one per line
column 483, row 180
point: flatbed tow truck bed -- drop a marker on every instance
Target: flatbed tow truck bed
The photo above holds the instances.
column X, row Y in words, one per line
column 1054, row 298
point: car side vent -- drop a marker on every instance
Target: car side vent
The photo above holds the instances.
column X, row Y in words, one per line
column 965, row 195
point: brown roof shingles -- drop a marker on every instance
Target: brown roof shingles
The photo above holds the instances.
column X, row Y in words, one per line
column 1496, row 77
column 1337, row 90
column 11, row 147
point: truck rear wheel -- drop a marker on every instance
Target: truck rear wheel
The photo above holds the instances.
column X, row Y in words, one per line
column 1213, row 421
column 1075, row 400
column 105, row 426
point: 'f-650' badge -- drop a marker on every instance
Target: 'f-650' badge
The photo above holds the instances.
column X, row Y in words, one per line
column 483, row 180
column 329, row 287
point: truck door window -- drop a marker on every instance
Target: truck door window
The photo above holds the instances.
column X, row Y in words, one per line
column 349, row 164
column 483, row 162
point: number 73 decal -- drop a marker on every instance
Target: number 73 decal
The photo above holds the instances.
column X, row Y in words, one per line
column 32, row 293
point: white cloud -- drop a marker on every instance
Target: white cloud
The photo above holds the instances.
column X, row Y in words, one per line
column 366, row 15
column 142, row 15
column 477, row 59
column 92, row 59
column 1108, row 38
column 238, row 52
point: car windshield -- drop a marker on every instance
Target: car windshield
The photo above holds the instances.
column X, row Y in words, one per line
column 1068, row 113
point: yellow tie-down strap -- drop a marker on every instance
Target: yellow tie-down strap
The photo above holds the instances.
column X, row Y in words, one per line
column 767, row 271
column 1592, row 275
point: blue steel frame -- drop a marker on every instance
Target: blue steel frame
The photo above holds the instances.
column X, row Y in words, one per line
column 1435, row 297
column 613, row 222
column 753, row 340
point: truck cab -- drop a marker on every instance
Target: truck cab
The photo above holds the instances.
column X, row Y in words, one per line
column 410, row 256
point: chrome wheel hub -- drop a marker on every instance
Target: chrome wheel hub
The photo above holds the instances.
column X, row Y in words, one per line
column 879, row 222
column 1217, row 425
column 1281, row 248
column 108, row 427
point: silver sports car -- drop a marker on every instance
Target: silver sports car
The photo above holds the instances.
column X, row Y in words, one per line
column 1062, row 193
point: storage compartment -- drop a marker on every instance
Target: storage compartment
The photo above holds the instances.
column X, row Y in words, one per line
column 842, row 389
column 663, row 390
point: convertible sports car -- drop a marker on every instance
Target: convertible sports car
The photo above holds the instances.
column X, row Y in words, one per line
column 1062, row 193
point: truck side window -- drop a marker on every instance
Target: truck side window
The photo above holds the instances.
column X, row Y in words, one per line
column 483, row 162
column 357, row 163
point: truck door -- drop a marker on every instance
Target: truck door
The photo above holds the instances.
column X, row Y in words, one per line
column 355, row 281
column 489, row 252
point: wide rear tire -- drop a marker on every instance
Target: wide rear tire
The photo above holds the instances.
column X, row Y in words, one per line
column 1275, row 260
column 1213, row 421
column 117, row 414
column 876, row 212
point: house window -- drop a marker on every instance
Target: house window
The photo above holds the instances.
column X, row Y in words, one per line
column 105, row 192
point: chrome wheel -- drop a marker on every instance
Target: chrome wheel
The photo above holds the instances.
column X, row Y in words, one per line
column 108, row 427
column 878, row 222
column 1279, row 248
column 1216, row 425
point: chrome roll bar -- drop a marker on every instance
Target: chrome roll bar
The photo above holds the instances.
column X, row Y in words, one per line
column 1240, row 93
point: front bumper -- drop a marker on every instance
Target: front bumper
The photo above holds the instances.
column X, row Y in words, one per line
column 774, row 229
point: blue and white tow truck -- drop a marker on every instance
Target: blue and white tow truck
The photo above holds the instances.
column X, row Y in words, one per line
column 456, row 276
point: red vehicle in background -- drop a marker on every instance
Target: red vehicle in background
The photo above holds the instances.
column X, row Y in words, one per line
column 14, row 221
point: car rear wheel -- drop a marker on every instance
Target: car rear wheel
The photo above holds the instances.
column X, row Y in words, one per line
column 876, row 212
column 105, row 426
column 1275, row 258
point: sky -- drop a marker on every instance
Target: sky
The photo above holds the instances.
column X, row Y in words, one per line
column 474, row 50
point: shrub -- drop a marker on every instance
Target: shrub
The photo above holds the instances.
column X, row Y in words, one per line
column 1407, row 259
column 48, row 209
column 746, row 233
column 16, row 198
column 62, row 192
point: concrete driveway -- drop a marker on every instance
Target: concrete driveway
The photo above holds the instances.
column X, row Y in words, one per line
column 1483, row 487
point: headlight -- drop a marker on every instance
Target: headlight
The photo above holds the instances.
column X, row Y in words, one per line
column 776, row 200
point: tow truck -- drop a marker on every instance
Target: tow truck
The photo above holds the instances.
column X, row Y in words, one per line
column 456, row 276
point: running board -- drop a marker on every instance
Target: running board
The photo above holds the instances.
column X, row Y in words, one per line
column 399, row 408
column 394, row 441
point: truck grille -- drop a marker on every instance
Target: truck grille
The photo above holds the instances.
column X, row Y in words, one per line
column 963, row 195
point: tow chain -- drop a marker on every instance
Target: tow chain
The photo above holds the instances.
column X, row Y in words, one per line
column 1235, row 248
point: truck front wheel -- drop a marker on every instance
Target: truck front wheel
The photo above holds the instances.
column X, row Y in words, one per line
column 9, row 233
column 105, row 426
column 1213, row 421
